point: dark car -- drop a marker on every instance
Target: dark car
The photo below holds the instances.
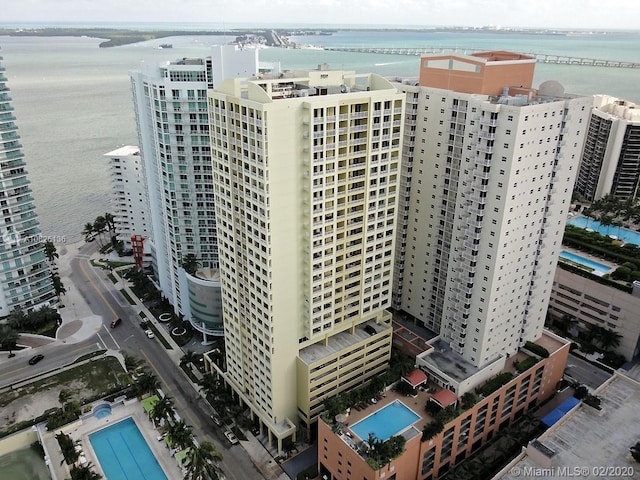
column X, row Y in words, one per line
column 35, row 359
column 144, row 325
column 116, row 322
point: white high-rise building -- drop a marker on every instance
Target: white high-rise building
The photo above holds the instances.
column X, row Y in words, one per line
column 173, row 129
column 488, row 173
column 306, row 175
column 610, row 163
column 130, row 201
column 25, row 275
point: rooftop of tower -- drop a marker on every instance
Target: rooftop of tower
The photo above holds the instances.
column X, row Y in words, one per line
column 304, row 84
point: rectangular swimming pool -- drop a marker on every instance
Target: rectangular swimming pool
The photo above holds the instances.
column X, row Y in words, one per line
column 124, row 454
column 598, row 268
column 386, row 422
column 624, row 234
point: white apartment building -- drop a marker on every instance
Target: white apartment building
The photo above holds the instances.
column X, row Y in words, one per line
column 25, row 275
column 306, row 174
column 130, row 202
column 173, row 129
column 487, row 181
column 610, row 161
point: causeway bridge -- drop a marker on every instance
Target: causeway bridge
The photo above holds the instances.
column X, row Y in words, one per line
column 540, row 57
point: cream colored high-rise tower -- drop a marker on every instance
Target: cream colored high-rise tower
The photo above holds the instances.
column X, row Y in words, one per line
column 306, row 175
column 488, row 173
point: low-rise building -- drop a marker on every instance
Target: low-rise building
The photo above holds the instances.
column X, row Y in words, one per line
column 587, row 442
column 344, row 447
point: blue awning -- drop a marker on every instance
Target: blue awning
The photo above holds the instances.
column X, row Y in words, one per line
column 560, row 411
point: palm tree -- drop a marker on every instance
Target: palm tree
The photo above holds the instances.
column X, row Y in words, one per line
column 189, row 357
column 18, row 319
column 635, row 452
column 88, row 232
column 50, row 251
column 609, row 339
column 63, row 397
column 147, row 382
column 180, row 434
column 84, row 472
column 203, row 462
column 99, row 226
column 58, row 286
column 131, row 362
column 8, row 338
column 190, row 263
column 162, row 409
column 110, row 221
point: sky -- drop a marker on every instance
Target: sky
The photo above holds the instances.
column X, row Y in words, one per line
column 573, row 14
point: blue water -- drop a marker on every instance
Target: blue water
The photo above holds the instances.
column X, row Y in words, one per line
column 599, row 268
column 124, row 454
column 627, row 236
column 386, row 422
column 102, row 411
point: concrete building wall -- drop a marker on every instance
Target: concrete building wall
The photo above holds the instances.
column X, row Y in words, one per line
column 432, row 458
column 306, row 177
column 591, row 303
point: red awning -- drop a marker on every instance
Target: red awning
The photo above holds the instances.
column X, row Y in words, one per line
column 444, row 398
column 416, row 377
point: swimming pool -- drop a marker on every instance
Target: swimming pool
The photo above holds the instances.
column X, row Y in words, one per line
column 598, row 268
column 124, row 454
column 624, row 234
column 386, row 422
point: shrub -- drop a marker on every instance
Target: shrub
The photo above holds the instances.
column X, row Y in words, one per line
column 537, row 349
column 495, row 383
column 526, row 364
column 432, row 429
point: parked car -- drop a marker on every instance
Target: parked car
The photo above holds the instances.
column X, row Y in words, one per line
column 35, row 359
column 144, row 325
column 231, row 437
column 216, row 419
column 149, row 333
column 116, row 322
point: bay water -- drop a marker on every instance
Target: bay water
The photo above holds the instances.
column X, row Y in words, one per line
column 73, row 100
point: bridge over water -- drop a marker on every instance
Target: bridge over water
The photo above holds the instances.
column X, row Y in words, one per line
column 540, row 57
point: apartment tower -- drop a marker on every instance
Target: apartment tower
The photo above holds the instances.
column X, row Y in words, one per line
column 610, row 163
column 306, row 173
column 170, row 102
column 488, row 169
column 25, row 276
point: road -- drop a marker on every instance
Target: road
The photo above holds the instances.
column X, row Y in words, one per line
column 585, row 373
column 105, row 300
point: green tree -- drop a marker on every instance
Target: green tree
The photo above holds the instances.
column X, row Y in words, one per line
column 58, row 286
column 203, row 462
column 190, row 263
column 609, row 339
column 146, row 383
column 635, row 452
column 180, row 434
column 50, row 251
column 8, row 338
column 131, row 362
column 162, row 409
column 88, row 232
column 99, row 228
column 189, row 357
column 63, row 397
column 18, row 319
column 84, row 472
column 109, row 220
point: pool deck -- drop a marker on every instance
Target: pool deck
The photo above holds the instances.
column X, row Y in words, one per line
column 81, row 430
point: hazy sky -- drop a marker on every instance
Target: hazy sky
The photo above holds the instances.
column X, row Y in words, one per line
column 590, row 14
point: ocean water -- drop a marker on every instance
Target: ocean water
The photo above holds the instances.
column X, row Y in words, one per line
column 73, row 100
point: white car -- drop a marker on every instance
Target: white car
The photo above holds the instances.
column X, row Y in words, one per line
column 149, row 333
column 231, row 437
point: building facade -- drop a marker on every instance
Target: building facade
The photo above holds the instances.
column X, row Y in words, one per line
column 610, row 163
column 489, row 174
column 342, row 454
column 130, row 201
column 306, row 175
column 173, row 128
column 25, row 274
column 580, row 302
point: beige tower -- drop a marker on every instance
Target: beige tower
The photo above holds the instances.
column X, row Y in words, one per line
column 306, row 174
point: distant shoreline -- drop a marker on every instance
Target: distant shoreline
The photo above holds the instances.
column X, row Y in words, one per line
column 116, row 37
